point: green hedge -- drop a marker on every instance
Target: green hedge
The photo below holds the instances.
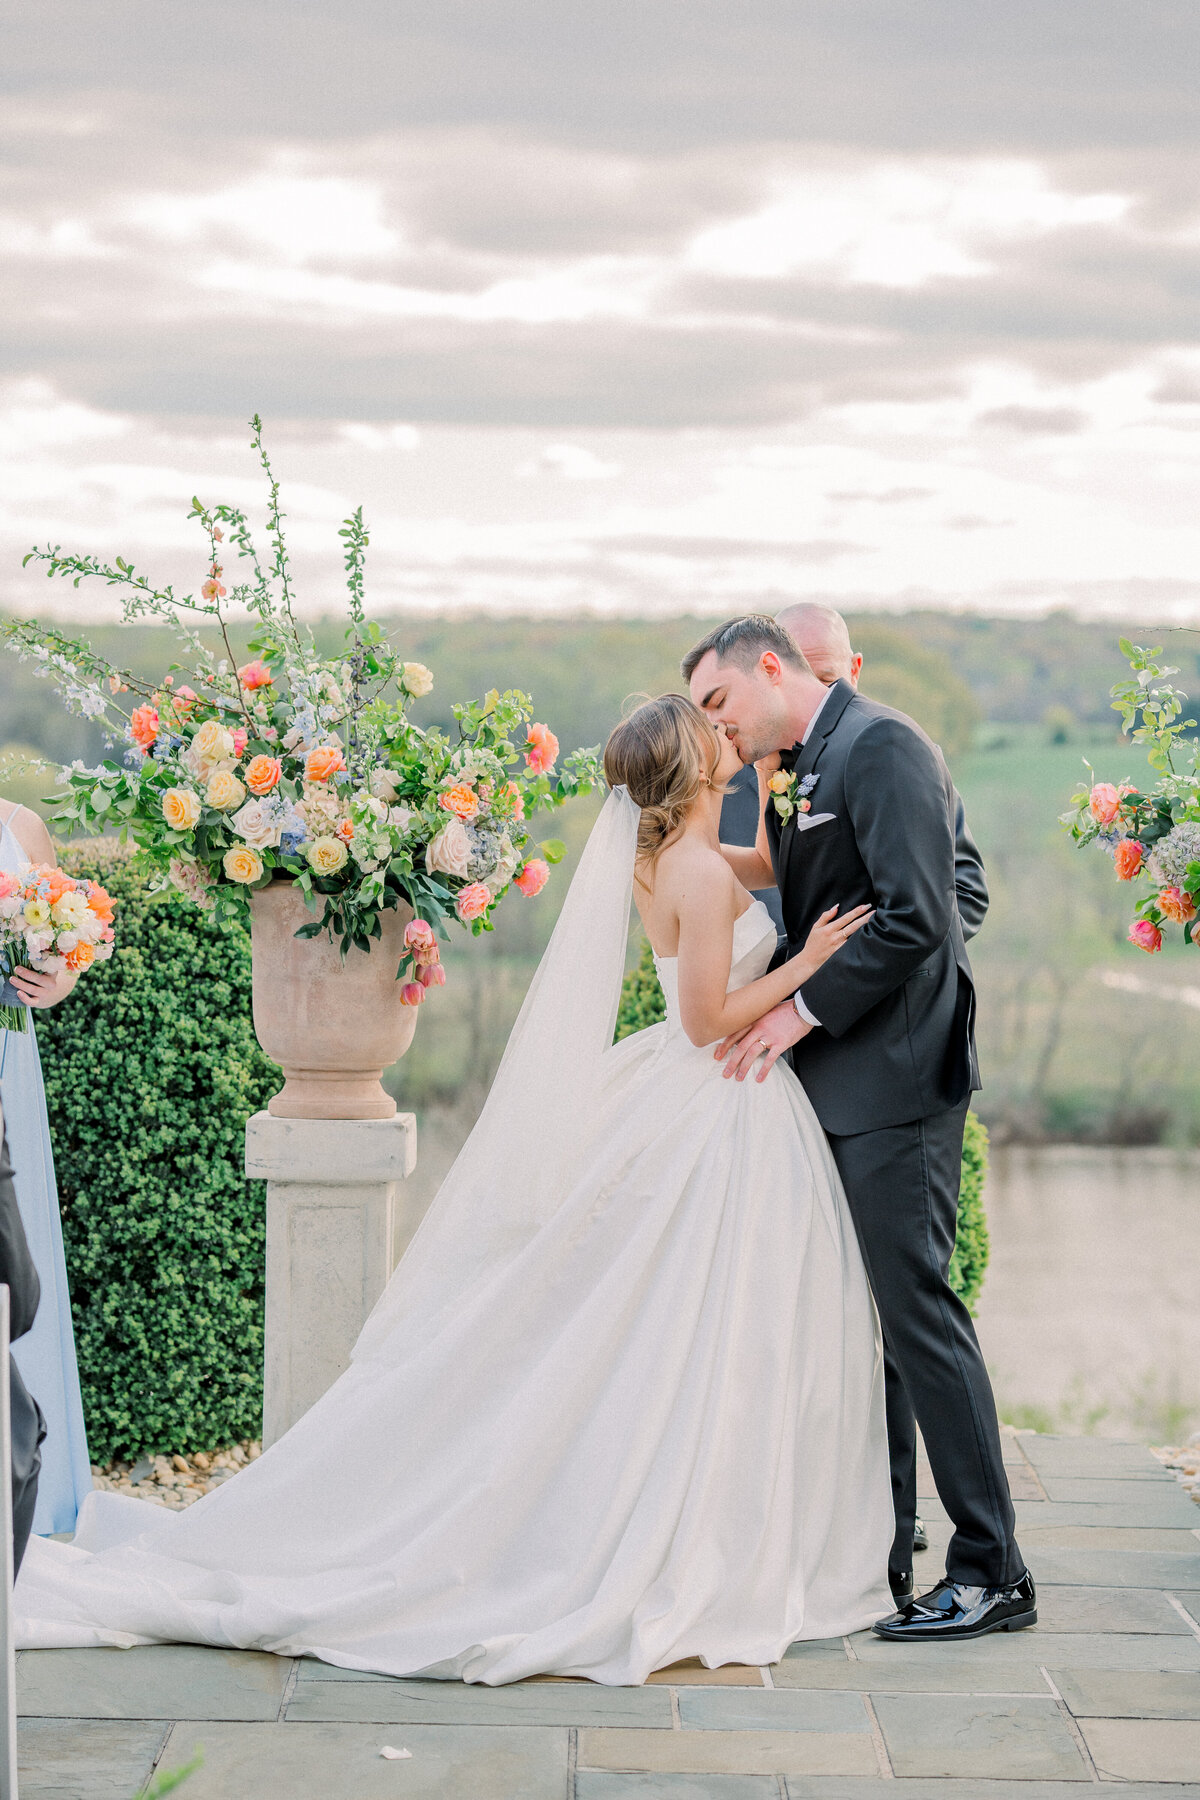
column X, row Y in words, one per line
column 642, row 1004
column 152, row 1069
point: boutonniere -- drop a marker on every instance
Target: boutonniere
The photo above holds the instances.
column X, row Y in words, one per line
column 789, row 795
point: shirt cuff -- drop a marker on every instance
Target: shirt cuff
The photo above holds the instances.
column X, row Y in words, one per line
column 804, row 1013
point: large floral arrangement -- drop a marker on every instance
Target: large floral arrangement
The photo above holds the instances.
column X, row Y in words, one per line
column 297, row 766
column 1150, row 829
column 49, row 922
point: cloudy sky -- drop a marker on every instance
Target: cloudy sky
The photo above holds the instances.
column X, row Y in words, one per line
column 653, row 306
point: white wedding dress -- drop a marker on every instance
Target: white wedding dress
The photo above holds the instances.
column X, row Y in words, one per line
column 621, row 1403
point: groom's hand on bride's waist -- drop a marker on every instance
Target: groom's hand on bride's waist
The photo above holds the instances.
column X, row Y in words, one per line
column 768, row 1038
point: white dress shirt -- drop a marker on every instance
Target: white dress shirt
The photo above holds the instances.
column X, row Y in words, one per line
column 808, row 1017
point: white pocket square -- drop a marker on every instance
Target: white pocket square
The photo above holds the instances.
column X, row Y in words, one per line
column 806, row 821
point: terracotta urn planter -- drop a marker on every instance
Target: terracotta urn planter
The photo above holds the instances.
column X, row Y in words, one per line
column 333, row 1026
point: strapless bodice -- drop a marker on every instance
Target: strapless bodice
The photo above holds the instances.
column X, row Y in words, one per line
column 754, row 941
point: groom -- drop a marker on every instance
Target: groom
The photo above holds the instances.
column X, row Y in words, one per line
column 882, row 1040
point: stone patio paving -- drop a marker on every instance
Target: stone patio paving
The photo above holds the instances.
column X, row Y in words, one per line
column 1106, row 1689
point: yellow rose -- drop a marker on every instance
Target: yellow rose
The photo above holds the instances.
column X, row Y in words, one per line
column 242, row 864
column 417, row 679
column 778, row 782
column 326, row 855
column 37, row 914
column 181, row 808
column 224, row 791
column 211, row 745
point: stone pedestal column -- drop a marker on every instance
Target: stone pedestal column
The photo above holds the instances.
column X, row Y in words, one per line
column 332, row 1242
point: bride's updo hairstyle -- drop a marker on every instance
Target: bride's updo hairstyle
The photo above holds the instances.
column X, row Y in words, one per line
column 665, row 753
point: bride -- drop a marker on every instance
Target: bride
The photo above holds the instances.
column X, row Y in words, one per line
column 621, row 1402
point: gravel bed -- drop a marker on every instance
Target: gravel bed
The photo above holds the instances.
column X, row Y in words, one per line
column 1184, row 1460
column 176, row 1481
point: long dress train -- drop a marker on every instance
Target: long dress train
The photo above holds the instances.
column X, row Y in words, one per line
column 46, row 1356
column 653, row 1431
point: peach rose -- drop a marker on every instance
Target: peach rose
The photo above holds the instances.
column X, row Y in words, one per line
column 224, row 791
column 344, row 829
column 461, row 800
column 242, row 864
column 181, row 809
column 325, row 855
column 1146, row 935
column 143, row 727
column 542, row 747
column 450, row 851
column 1177, row 904
column 323, row 762
column 211, row 746
column 532, row 878
column 262, row 773
column 779, row 781
column 1105, row 803
column 255, row 675
column 1128, row 858
column 412, row 994
column 81, row 957
column 473, row 902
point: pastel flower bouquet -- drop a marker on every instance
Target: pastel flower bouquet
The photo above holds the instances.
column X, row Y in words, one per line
column 1151, row 831
column 300, row 767
column 49, row 922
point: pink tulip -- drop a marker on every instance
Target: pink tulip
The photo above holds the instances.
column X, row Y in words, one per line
column 1146, row 935
column 432, row 975
column 412, row 994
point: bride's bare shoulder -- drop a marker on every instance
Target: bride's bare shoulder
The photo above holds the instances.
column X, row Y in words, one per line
column 692, row 871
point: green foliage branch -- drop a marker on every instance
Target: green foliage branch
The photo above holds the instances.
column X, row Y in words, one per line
column 151, row 1071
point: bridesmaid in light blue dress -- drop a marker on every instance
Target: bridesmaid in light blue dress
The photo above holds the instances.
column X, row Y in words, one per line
column 46, row 1356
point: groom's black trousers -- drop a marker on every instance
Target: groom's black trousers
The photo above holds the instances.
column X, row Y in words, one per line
column 902, row 1187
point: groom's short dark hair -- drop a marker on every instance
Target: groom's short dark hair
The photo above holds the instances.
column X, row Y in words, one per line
column 743, row 641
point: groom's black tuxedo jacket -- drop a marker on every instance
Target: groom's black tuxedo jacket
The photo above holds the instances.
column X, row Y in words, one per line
column 897, row 1003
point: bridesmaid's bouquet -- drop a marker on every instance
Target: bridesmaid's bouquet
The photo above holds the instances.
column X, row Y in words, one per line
column 299, row 766
column 48, row 922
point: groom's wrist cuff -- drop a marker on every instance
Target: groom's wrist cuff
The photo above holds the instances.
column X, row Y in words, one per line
column 804, row 1013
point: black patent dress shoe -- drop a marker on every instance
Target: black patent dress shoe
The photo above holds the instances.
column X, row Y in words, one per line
column 901, row 1585
column 920, row 1535
column 953, row 1611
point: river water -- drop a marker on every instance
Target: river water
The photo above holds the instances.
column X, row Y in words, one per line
column 1090, row 1314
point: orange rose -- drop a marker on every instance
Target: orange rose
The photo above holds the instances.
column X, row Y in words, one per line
column 462, row 801
column 100, row 902
column 81, row 957
column 262, row 773
column 1128, row 858
column 1175, row 903
column 323, row 762
column 143, row 727
column 57, row 884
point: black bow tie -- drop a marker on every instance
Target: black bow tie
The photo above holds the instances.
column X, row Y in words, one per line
column 789, row 758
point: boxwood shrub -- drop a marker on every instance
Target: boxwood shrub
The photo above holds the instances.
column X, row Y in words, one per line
column 152, row 1069
column 642, row 1004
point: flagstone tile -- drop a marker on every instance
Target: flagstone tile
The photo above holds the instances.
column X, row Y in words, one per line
column 598, row 1784
column 849, row 1787
column 1157, row 1488
column 816, row 1650
column 950, row 1673
column 1085, row 1456
column 729, row 1752
column 313, row 1669
column 152, row 1681
column 1164, row 1508
column 72, row 1759
column 1036, row 1538
column 1092, row 1609
column 343, row 1762
column 1120, row 1568
column 747, row 1709
column 1191, row 1602
column 692, row 1673
column 1128, row 1694
column 1037, row 1648
column 935, row 1735
column 454, row 1703
column 1144, row 1749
